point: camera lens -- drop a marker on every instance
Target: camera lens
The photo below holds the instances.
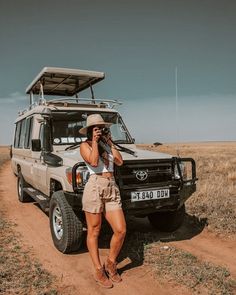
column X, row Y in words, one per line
column 105, row 131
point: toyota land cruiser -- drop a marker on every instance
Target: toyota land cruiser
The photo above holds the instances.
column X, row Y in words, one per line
column 50, row 170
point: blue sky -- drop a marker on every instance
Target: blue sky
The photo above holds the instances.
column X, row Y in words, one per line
column 137, row 44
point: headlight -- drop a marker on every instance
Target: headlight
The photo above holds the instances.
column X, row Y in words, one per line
column 82, row 175
column 182, row 170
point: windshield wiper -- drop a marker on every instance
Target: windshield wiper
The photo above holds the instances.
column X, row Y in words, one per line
column 121, row 141
column 124, row 149
column 73, row 146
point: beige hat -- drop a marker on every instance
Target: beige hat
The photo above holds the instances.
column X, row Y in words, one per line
column 94, row 120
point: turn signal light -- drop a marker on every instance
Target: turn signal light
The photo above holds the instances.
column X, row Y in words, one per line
column 69, row 176
column 79, row 176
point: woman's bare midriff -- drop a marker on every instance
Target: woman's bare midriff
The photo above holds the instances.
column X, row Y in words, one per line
column 106, row 174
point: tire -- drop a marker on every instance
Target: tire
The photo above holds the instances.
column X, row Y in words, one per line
column 66, row 228
column 167, row 221
column 21, row 184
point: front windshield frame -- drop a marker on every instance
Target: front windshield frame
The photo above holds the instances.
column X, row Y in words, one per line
column 84, row 113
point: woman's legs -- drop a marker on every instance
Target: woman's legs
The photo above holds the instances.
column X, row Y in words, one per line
column 117, row 221
column 94, row 221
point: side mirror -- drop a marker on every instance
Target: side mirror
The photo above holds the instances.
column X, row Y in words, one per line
column 36, row 145
column 133, row 140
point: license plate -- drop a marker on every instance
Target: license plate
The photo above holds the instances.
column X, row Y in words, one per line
column 150, row 195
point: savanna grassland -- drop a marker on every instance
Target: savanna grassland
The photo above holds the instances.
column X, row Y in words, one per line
column 214, row 202
column 215, row 198
column 186, row 261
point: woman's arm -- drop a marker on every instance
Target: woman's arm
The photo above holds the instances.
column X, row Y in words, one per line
column 89, row 153
column 117, row 156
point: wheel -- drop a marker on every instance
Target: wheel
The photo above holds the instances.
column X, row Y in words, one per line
column 167, row 221
column 21, row 184
column 66, row 228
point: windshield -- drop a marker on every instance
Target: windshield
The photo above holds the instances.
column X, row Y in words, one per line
column 66, row 126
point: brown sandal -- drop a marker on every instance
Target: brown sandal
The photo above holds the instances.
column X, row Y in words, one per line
column 111, row 270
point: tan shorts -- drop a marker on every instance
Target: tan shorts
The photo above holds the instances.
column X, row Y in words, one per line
column 101, row 194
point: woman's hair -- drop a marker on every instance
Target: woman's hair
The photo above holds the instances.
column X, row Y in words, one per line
column 90, row 132
column 101, row 150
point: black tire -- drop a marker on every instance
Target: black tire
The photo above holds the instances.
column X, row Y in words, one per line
column 167, row 221
column 21, row 184
column 66, row 228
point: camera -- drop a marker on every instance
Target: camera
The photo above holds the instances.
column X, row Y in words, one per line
column 105, row 131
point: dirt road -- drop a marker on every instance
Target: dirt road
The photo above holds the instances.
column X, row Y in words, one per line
column 74, row 270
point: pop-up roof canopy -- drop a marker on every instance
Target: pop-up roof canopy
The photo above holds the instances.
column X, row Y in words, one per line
column 63, row 81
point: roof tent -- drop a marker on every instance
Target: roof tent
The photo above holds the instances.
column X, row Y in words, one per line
column 63, row 81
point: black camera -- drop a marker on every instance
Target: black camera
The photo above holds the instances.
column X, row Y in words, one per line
column 105, row 131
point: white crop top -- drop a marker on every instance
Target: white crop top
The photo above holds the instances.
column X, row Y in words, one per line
column 101, row 167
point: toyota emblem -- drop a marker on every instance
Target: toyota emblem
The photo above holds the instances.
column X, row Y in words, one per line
column 141, row 175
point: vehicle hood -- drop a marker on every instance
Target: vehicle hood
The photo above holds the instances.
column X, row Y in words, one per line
column 71, row 157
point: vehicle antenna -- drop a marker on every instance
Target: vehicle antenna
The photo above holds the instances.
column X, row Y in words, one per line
column 177, row 111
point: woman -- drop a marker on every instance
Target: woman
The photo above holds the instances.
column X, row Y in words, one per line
column 102, row 196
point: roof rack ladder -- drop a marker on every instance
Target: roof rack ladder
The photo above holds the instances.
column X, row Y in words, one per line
column 92, row 93
column 77, row 95
column 31, row 98
column 42, row 100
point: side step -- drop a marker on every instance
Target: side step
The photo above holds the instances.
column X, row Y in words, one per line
column 39, row 197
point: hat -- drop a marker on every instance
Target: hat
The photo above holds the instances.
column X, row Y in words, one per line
column 94, row 120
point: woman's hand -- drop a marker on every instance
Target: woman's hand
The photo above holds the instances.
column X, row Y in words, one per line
column 97, row 133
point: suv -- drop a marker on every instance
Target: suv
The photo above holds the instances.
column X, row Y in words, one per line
column 50, row 170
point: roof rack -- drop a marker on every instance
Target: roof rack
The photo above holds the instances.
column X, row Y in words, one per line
column 109, row 103
column 63, row 81
column 66, row 82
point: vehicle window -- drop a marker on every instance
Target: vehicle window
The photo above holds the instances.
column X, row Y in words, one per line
column 45, row 136
column 66, row 132
column 118, row 131
column 29, row 125
column 66, row 126
column 22, row 133
column 17, row 134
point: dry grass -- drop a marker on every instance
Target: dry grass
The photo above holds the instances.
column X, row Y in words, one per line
column 215, row 198
column 19, row 272
column 186, row 269
column 4, row 154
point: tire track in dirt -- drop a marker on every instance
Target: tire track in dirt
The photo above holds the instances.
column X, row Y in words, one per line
column 208, row 247
column 74, row 270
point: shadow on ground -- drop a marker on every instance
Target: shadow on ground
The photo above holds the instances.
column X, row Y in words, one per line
column 140, row 234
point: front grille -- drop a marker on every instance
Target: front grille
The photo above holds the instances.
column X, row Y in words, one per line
column 143, row 172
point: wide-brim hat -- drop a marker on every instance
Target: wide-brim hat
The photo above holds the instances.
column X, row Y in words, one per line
column 94, row 120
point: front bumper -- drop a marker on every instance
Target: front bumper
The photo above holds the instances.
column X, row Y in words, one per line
column 180, row 189
column 142, row 208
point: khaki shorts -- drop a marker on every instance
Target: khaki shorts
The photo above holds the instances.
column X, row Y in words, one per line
column 101, row 194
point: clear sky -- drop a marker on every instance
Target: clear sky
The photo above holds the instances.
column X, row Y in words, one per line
column 137, row 44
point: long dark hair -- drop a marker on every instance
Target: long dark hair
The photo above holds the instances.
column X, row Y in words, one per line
column 90, row 132
column 101, row 150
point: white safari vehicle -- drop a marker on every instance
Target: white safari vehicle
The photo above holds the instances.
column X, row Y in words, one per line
column 46, row 159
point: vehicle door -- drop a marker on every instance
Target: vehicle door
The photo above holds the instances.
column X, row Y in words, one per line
column 26, row 167
column 39, row 167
